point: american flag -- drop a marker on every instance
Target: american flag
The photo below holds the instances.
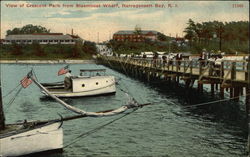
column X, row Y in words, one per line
column 62, row 71
column 25, row 82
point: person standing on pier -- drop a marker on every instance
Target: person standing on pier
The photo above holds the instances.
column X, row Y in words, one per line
column 217, row 64
column 178, row 59
column 203, row 57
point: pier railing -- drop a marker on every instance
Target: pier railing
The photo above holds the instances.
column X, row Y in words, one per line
column 233, row 70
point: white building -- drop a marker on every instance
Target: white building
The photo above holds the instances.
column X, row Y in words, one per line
column 41, row 38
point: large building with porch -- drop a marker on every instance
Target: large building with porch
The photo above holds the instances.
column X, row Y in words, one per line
column 41, row 38
column 133, row 36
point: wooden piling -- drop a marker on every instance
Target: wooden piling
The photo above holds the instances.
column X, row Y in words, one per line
column 221, row 92
column 236, row 94
column 212, row 89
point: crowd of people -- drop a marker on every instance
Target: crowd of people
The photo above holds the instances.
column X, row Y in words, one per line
column 213, row 60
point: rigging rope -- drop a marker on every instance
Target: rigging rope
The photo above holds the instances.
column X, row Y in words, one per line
column 13, row 99
column 12, row 90
column 83, row 135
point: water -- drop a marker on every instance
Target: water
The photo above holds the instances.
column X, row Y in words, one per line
column 167, row 128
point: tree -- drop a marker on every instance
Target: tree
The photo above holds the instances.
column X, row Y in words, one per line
column 76, row 51
column 161, row 37
column 138, row 30
column 16, row 49
column 28, row 29
column 89, row 47
column 38, row 49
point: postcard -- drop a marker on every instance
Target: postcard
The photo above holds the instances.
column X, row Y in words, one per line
column 124, row 78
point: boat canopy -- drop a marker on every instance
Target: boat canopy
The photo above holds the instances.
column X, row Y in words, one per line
column 92, row 72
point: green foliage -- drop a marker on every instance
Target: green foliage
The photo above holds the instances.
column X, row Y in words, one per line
column 128, row 47
column 34, row 51
column 234, row 36
column 161, row 37
column 38, row 50
column 28, row 29
column 89, row 47
column 17, row 49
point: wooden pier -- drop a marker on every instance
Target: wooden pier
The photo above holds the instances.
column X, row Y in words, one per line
column 232, row 76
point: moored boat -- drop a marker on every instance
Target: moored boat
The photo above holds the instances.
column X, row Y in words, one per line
column 87, row 85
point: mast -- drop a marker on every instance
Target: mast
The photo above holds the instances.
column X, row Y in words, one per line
column 2, row 119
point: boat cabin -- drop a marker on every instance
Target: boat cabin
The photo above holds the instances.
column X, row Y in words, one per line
column 92, row 72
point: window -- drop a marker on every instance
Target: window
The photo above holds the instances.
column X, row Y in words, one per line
column 61, row 40
column 50, row 40
column 96, row 83
column 55, row 40
column 45, row 40
column 83, row 85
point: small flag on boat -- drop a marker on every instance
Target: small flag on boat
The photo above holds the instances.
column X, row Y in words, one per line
column 26, row 81
column 64, row 70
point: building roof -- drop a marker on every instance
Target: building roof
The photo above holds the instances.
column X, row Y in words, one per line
column 38, row 37
column 144, row 32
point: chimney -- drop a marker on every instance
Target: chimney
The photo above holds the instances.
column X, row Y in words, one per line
column 72, row 32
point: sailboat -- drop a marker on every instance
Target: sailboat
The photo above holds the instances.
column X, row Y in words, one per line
column 32, row 137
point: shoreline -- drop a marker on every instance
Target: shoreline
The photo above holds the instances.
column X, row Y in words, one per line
column 60, row 61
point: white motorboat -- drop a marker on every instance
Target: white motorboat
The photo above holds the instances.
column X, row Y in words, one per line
column 84, row 85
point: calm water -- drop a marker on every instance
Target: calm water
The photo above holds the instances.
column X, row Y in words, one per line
column 166, row 128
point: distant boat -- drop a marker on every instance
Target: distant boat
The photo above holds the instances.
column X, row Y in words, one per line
column 35, row 137
column 95, row 83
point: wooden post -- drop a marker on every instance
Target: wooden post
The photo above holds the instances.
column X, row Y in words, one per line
column 222, row 70
column 221, row 92
column 231, row 92
column 212, row 89
column 233, row 71
column 201, row 88
column 236, row 93
column 178, row 79
column 191, row 67
column 216, row 86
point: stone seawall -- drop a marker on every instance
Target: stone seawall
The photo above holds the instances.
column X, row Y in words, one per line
column 47, row 61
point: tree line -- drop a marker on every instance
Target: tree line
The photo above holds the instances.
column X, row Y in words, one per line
column 230, row 34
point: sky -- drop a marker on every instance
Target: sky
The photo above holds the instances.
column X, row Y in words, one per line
column 100, row 23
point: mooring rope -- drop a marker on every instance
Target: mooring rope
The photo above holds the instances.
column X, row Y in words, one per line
column 83, row 135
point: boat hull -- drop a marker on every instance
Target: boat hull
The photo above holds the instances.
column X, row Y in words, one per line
column 41, row 139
